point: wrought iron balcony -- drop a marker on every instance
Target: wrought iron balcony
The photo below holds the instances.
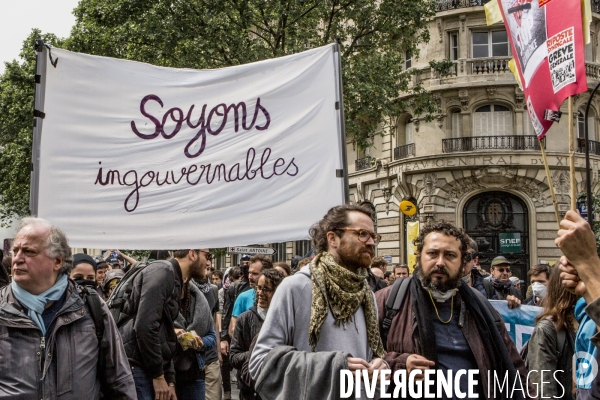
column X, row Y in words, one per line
column 445, row 5
column 364, row 163
column 401, row 152
column 594, row 146
column 491, row 143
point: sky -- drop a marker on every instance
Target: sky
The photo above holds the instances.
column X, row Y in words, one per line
column 18, row 18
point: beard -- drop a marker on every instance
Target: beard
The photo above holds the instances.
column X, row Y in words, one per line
column 435, row 284
column 355, row 257
column 197, row 271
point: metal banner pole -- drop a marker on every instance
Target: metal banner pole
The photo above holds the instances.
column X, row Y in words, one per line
column 343, row 173
column 38, row 118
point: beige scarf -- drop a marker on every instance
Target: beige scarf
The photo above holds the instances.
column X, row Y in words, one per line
column 343, row 292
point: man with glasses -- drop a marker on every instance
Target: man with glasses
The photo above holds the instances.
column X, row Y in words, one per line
column 322, row 314
column 473, row 274
column 503, row 288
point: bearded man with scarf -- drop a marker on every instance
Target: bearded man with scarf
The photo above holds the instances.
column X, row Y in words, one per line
column 322, row 319
column 48, row 343
column 444, row 324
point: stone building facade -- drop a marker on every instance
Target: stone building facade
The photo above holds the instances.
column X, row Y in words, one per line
column 478, row 163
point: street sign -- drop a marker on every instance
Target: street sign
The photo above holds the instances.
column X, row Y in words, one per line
column 582, row 207
column 251, row 250
column 510, row 242
column 388, row 259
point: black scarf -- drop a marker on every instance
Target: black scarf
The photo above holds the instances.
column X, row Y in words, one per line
column 492, row 340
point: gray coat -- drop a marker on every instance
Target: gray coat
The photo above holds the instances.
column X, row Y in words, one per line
column 70, row 350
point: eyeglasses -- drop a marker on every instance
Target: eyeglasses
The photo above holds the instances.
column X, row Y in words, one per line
column 264, row 289
column 363, row 235
column 207, row 254
column 502, row 270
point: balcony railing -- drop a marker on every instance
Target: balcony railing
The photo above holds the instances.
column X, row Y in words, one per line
column 364, row 163
column 445, row 5
column 594, row 146
column 478, row 66
column 405, row 151
column 490, row 143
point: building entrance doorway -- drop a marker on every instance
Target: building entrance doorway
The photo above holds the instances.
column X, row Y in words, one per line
column 499, row 223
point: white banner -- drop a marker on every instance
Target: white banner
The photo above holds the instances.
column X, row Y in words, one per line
column 135, row 156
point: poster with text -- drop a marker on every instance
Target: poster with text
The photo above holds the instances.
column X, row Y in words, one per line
column 135, row 156
column 547, row 44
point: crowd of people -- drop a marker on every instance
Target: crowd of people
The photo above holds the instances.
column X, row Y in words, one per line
column 173, row 327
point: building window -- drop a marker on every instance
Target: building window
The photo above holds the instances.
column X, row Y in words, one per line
column 454, row 46
column 492, row 120
column 456, row 121
column 404, row 134
column 303, row 247
column 490, row 44
column 408, row 59
column 581, row 125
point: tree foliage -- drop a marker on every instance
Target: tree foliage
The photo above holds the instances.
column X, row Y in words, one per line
column 374, row 37
column 17, row 90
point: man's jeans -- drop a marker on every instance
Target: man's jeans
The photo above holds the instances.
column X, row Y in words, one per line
column 191, row 390
column 143, row 384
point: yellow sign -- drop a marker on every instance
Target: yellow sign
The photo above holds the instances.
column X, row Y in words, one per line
column 412, row 232
column 408, row 208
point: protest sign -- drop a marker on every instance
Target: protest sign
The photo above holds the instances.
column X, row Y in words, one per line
column 519, row 321
column 547, row 42
column 144, row 157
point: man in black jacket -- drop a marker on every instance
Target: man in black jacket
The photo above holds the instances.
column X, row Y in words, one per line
column 149, row 335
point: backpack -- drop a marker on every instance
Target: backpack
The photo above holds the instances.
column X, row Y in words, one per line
column 120, row 295
column 561, row 338
column 393, row 305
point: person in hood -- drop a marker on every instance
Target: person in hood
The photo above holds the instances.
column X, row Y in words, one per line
column 111, row 280
column 247, row 328
column 84, row 270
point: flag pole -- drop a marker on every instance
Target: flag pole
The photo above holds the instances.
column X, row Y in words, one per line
column 550, row 185
column 572, row 156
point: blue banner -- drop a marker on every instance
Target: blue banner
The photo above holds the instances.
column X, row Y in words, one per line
column 519, row 321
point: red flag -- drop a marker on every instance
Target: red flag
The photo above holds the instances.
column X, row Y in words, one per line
column 547, row 44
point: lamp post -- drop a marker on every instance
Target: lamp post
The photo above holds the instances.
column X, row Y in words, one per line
column 588, row 177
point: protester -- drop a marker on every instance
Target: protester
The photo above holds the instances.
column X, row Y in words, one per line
column 7, row 265
column 516, row 282
column 580, row 272
column 322, row 314
column 473, row 275
column 303, row 263
column 230, row 295
column 101, row 268
column 111, row 280
column 401, row 271
column 389, row 277
column 583, row 343
column 500, row 287
column 83, row 271
column 49, row 345
column 247, row 328
column 284, row 268
column 379, row 274
column 148, row 335
column 193, row 321
column 381, row 263
column 217, row 278
column 245, row 300
column 538, row 276
column 445, row 325
column 294, row 264
column 551, row 346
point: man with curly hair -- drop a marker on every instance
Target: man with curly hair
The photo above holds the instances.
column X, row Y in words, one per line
column 322, row 319
column 445, row 325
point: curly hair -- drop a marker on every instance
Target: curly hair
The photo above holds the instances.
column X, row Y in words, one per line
column 447, row 229
column 336, row 218
column 274, row 276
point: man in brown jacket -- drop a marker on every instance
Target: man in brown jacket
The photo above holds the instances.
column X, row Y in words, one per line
column 445, row 325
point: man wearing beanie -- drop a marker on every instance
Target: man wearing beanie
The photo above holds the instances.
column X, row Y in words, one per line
column 323, row 318
column 49, row 345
